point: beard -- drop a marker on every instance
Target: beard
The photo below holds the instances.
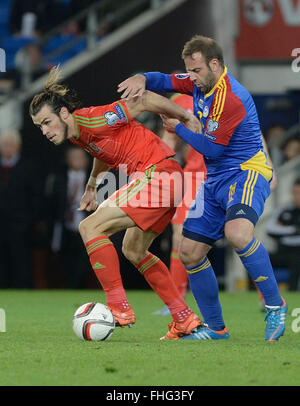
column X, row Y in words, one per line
column 210, row 81
column 64, row 132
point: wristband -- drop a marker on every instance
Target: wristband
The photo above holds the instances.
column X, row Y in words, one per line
column 92, row 182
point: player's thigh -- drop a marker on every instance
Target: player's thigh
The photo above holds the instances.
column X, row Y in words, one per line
column 136, row 243
column 244, row 195
column 205, row 219
column 108, row 219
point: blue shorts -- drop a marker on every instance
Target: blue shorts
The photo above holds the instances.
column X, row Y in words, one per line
column 241, row 194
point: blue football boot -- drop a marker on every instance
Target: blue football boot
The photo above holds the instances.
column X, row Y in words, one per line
column 275, row 319
column 203, row 332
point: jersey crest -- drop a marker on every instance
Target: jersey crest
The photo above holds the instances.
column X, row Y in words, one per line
column 111, row 118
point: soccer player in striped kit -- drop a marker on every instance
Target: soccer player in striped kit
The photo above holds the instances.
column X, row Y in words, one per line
column 232, row 198
column 144, row 206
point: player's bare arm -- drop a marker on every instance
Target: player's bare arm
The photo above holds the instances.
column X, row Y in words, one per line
column 155, row 103
column 89, row 199
column 133, row 86
column 170, row 124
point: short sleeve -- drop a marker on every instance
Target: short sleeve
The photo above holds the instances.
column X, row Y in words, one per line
column 103, row 118
column 182, row 83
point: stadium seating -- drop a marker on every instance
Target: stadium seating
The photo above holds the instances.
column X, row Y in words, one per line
column 63, row 40
column 12, row 45
column 4, row 17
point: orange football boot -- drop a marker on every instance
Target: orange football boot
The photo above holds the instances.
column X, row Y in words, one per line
column 177, row 330
column 123, row 317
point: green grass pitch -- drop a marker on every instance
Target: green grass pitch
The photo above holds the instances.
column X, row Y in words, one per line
column 39, row 347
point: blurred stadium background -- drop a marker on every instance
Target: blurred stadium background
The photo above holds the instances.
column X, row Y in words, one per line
column 100, row 43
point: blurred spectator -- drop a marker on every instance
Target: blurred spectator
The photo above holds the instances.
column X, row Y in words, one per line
column 21, row 203
column 273, row 137
column 31, row 57
column 29, row 65
column 274, row 133
column 31, row 18
column 64, row 193
column 284, row 226
column 291, row 148
column 28, row 17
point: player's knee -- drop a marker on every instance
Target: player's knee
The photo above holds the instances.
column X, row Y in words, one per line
column 90, row 228
column 82, row 228
column 238, row 237
column 190, row 257
column 86, row 229
column 132, row 252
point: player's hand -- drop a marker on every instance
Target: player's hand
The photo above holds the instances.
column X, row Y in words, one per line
column 89, row 199
column 193, row 124
column 169, row 124
column 133, row 86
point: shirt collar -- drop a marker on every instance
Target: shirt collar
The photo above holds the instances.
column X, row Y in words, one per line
column 217, row 84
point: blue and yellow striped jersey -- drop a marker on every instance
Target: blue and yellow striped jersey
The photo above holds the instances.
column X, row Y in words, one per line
column 228, row 116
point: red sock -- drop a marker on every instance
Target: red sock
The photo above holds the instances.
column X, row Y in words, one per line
column 105, row 263
column 178, row 273
column 159, row 278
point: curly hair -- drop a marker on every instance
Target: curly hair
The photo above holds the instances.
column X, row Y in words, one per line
column 54, row 95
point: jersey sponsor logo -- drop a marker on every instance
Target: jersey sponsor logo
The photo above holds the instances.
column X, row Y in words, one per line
column 231, row 193
column 212, row 125
column 200, row 103
column 205, row 111
column 94, row 147
column 210, row 136
column 182, row 75
column 120, row 113
column 111, row 118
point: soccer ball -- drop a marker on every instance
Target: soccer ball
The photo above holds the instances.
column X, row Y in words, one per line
column 93, row 322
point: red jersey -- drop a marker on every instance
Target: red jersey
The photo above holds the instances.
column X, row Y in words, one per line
column 194, row 160
column 110, row 135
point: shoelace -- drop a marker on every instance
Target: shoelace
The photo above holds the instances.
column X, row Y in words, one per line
column 272, row 317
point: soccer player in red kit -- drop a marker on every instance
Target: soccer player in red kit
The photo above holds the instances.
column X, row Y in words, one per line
column 112, row 136
column 194, row 175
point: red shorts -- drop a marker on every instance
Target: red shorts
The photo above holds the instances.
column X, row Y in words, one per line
column 192, row 182
column 151, row 197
